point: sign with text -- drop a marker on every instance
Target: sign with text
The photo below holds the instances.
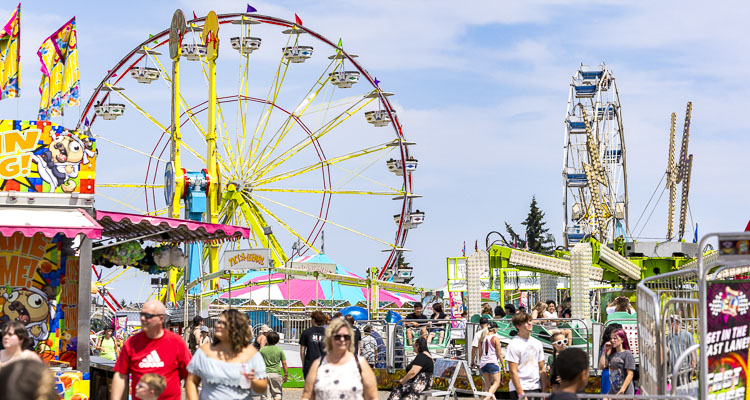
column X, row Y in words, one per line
column 327, row 268
column 727, row 339
column 42, row 157
column 248, row 259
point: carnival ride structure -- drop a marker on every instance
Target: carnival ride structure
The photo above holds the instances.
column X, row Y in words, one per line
column 595, row 184
column 296, row 154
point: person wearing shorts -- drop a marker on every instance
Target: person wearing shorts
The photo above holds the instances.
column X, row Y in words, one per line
column 491, row 361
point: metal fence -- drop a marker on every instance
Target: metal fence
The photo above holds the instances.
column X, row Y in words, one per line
column 667, row 326
column 591, row 396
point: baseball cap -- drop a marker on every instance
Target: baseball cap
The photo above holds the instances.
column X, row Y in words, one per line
column 204, row 328
column 483, row 320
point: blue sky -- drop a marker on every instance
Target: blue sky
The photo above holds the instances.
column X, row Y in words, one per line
column 482, row 88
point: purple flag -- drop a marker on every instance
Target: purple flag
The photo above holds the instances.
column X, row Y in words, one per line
column 251, row 9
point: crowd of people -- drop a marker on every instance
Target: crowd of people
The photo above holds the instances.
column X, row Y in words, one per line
column 338, row 356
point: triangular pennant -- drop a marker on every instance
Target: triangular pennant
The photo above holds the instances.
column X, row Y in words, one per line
column 251, row 9
column 297, row 19
column 194, row 16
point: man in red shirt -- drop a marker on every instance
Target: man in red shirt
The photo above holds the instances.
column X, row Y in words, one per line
column 152, row 350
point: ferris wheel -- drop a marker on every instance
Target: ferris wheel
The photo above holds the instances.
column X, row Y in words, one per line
column 266, row 123
column 595, row 198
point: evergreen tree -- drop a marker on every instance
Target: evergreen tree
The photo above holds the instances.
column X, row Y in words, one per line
column 400, row 261
column 535, row 237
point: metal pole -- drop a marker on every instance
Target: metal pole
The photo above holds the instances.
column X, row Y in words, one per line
column 230, row 289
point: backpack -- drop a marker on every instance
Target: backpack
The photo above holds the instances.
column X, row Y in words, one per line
column 192, row 344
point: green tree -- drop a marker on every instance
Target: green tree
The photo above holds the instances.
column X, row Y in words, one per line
column 536, row 235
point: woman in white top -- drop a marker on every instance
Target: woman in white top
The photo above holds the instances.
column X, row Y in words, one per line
column 229, row 368
column 15, row 341
column 551, row 311
column 340, row 374
column 491, row 362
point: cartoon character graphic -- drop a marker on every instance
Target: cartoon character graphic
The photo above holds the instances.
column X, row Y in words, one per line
column 61, row 161
column 31, row 307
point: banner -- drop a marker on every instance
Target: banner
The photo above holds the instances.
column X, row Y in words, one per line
column 39, row 156
column 727, row 339
column 60, row 83
column 10, row 56
column 40, row 290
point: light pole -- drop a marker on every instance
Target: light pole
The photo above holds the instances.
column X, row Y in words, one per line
column 268, row 232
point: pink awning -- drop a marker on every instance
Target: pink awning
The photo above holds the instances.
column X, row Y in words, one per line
column 130, row 226
column 48, row 221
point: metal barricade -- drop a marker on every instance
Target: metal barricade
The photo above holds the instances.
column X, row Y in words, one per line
column 591, row 396
column 667, row 304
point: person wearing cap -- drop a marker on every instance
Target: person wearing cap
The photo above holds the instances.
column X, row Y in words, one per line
column 679, row 341
column 369, row 346
column 261, row 340
column 204, row 335
column 475, row 343
column 491, row 360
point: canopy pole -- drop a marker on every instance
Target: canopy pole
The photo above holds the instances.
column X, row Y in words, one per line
column 230, row 288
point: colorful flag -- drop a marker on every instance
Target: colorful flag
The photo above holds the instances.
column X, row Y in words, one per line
column 695, row 235
column 194, row 16
column 476, row 245
column 10, row 56
column 60, row 83
column 250, row 9
column 463, row 250
column 297, row 19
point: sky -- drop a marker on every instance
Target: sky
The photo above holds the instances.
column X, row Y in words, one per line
column 482, row 88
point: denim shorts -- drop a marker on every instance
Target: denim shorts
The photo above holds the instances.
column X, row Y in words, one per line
column 491, row 368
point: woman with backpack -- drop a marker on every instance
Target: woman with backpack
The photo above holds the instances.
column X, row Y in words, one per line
column 340, row 374
column 107, row 345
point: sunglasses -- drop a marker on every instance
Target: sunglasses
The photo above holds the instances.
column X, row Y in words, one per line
column 345, row 338
column 561, row 342
column 149, row 315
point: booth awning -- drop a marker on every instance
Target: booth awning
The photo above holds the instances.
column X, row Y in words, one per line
column 131, row 226
column 48, row 221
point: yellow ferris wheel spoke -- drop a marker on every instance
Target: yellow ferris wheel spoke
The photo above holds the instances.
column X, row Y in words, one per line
column 301, row 145
column 166, row 76
column 126, row 205
column 367, row 179
column 290, row 122
column 129, row 148
column 128, row 185
column 366, row 164
column 330, row 161
column 282, row 223
column 265, row 115
column 362, row 192
column 326, row 221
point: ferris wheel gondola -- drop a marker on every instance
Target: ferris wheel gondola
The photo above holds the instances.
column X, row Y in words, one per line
column 595, row 198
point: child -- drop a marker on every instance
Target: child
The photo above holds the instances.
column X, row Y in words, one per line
column 150, row 387
column 275, row 358
column 559, row 343
column 573, row 367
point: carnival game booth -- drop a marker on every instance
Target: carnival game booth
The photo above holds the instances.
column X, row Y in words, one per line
column 46, row 209
column 126, row 239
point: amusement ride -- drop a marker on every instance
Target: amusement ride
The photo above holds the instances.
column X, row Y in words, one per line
column 269, row 123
